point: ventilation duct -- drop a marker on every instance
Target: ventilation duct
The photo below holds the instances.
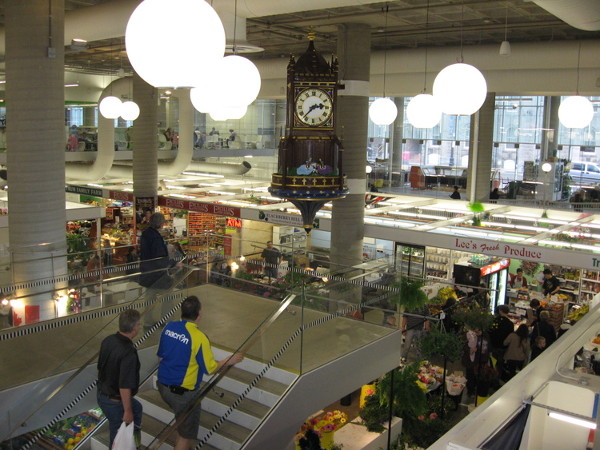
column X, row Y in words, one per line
column 581, row 14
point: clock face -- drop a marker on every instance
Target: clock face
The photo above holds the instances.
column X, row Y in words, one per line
column 313, row 106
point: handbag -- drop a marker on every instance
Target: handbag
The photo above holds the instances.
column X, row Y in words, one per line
column 124, row 439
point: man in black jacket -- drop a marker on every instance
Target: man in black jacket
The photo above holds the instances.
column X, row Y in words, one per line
column 501, row 327
column 154, row 262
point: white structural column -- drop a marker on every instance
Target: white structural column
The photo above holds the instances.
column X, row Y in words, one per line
column 550, row 132
column 347, row 226
column 395, row 146
column 145, row 150
column 481, row 142
column 36, row 146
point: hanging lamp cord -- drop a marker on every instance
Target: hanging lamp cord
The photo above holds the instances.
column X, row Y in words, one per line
column 578, row 64
column 234, row 25
column 462, row 26
column 426, row 47
column 387, row 8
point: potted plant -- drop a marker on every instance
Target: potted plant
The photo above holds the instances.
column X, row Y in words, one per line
column 410, row 295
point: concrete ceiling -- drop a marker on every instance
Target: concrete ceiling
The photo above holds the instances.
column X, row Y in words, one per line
column 410, row 24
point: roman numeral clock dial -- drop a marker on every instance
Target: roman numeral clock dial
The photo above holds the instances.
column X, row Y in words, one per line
column 313, row 107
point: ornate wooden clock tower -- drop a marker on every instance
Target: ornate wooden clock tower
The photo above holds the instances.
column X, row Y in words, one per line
column 310, row 155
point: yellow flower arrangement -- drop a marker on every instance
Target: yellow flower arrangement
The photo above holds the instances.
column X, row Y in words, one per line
column 330, row 421
column 422, row 385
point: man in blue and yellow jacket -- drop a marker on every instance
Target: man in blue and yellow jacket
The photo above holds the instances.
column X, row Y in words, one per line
column 185, row 356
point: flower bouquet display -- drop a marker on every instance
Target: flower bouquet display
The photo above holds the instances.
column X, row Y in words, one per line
column 323, row 426
column 455, row 384
column 430, row 375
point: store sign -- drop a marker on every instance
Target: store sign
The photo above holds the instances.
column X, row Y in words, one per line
column 235, row 223
column 495, row 267
column 207, row 208
column 121, row 195
column 83, row 190
column 500, row 249
column 280, row 218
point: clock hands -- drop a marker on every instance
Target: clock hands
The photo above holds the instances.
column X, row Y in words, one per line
column 315, row 106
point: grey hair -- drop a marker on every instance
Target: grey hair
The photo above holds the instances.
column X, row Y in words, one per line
column 156, row 220
column 128, row 319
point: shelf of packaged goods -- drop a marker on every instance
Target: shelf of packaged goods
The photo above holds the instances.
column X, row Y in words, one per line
column 588, row 292
column 591, row 280
column 567, row 290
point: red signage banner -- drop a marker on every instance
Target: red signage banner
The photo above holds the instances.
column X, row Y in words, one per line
column 494, row 267
column 208, row 208
column 121, row 195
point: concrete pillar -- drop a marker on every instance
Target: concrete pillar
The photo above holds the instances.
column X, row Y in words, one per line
column 550, row 131
column 36, row 139
column 396, row 137
column 145, row 149
column 481, row 142
column 347, row 227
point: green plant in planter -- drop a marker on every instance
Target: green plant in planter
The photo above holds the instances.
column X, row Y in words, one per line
column 409, row 399
column 476, row 207
column 472, row 315
column 440, row 343
column 411, row 296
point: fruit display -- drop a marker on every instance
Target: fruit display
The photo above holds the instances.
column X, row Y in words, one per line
column 67, row 433
column 578, row 313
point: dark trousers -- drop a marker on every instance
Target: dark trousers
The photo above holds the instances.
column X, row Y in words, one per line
column 511, row 367
column 113, row 410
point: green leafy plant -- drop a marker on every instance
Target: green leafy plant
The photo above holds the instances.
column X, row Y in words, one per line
column 410, row 294
column 476, row 207
column 472, row 315
column 441, row 343
column 408, row 401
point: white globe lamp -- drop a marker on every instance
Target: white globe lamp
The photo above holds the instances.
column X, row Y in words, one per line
column 460, row 89
column 110, row 107
column 204, row 97
column 546, row 167
column 169, row 42
column 130, row 110
column 238, row 82
column 575, row 112
column 221, row 113
column 423, row 111
column 383, row 111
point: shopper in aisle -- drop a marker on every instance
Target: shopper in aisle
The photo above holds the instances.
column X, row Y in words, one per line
column 517, row 351
column 537, row 347
column 475, row 358
column 455, row 195
column 500, row 329
column 533, row 313
column 414, row 325
column 543, row 328
column 518, row 280
column 185, row 356
column 272, row 257
column 119, row 376
column 551, row 285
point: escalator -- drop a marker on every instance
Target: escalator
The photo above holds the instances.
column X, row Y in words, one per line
column 300, row 357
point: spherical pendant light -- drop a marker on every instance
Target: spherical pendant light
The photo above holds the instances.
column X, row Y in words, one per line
column 110, row 107
column 239, row 81
column 169, row 42
column 130, row 110
column 204, row 98
column 423, row 111
column 224, row 113
column 575, row 112
column 460, row 88
column 383, row 111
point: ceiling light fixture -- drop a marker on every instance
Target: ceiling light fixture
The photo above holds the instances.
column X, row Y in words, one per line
column 110, row 107
column 383, row 111
column 423, row 110
column 576, row 111
column 505, row 45
column 460, row 88
column 197, row 42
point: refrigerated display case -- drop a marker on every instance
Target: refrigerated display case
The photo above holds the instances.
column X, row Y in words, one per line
column 410, row 260
column 492, row 276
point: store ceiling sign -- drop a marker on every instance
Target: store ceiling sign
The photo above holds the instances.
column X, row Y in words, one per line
column 495, row 267
column 235, row 223
column 121, row 195
column 207, row 208
column 280, row 218
column 84, row 190
column 499, row 249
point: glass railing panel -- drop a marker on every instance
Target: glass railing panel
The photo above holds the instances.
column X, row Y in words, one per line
column 61, row 354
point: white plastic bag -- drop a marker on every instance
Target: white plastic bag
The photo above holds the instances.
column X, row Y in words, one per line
column 124, row 439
